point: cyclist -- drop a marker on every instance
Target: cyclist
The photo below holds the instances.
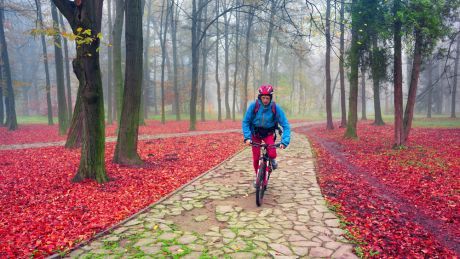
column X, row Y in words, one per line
column 260, row 122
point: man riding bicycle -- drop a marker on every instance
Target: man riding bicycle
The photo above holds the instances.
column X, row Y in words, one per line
column 260, row 122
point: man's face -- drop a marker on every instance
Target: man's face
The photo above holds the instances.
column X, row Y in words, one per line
column 265, row 99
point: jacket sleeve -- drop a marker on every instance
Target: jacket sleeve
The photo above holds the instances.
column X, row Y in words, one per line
column 247, row 121
column 283, row 121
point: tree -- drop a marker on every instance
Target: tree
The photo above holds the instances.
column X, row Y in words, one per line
column 250, row 18
column 204, row 68
column 378, row 68
column 363, row 92
column 110, row 66
column 235, row 73
column 227, row 65
column 45, row 62
column 175, row 60
column 126, row 148
column 11, row 120
column 397, row 75
column 343, row 110
column 67, row 71
column 146, row 66
column 62, row 103
column 219, row 101
column 164, row 30
column 86, row 16
column 330, row 124
column 456, row 74
column 116, row 48
column 354, row 63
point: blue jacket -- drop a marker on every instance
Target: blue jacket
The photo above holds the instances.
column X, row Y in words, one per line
column 264, row 118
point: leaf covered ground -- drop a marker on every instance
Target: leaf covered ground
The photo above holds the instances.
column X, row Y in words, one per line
column 393, row 202
column 33, row 133
column 42, row 212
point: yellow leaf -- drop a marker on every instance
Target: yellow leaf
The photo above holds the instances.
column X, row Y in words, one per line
column 79, row 29
column 87, row 32
column 99, row 35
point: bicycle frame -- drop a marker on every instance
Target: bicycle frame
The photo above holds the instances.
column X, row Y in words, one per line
column 265, row 168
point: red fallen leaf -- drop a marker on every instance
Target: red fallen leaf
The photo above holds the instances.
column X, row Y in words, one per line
column 424, row 175
column 39, row 202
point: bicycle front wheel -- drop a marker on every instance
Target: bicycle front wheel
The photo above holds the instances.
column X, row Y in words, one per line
column 260, row 188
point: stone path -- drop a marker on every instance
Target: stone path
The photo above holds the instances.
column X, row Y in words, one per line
column 216, row 217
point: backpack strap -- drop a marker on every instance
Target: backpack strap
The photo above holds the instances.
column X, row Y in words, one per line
column 256, row 107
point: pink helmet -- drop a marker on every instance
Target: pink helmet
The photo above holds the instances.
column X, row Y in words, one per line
column 265, row 90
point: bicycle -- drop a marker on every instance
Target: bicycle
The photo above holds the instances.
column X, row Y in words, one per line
column 263, row 174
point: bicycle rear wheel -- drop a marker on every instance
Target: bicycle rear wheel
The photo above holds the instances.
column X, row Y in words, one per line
column 260, row 188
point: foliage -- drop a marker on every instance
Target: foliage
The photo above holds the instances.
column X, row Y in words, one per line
column 42, row 211
column 386, row 194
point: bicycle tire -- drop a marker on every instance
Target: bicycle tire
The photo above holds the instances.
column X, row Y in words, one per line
column 260, row 188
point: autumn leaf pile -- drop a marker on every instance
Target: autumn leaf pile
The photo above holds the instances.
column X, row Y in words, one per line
column 42, row 212
column 32, row 133
column 393, row 202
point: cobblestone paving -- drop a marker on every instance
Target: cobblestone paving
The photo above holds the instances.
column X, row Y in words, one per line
column 216, row 217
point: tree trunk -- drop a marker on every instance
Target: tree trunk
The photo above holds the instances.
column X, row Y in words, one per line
column 88, row 15
column 2, row 107
column 330, row 124
column 219, row 101
column 227, row 69
column 343, row 122
column 237, row 63
column 354, row 63
column 376, row 60
column 126, row 148
column 363, row 93
column 110, row 67
column 146, row 73
column 116, row 48
column 11, row 120
column 269, row 39
column 429, row 102
column 175, row 62
column 204, row 69
column 154, row 83
column 163, row 32
column 456, row 74
column 67, row 70
column 195, row 63
column 62, row 103
column 45, row 61
column 246, row 69
column 397, row 74
column 412, row 95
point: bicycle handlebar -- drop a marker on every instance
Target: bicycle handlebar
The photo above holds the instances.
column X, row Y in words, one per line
column 265, row 145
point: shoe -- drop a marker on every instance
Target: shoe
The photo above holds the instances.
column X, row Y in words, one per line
column 274, row 163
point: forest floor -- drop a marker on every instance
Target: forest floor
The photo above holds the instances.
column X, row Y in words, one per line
column 393, row 202
column 390, row 202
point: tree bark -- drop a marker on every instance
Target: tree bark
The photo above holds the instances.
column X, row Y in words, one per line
column 363, row 93
column 204, row 69
column 11, row 119
column 45, row 62
column 63, row 115
column 175, row 62
column 146, row 73
column 227, row 68
column 2, row 107
column 330, row 124
column 88, row 15
column 412, row 95
column 116, row 48
column 219, row 101
column 376, row 61
column 163, row 32
column 429, row 102
column 343, row 122
column 269, row 39
column 110, row 66
column 195, row 63
column 247, row 48
column 126, row 148
column 397, row 75
column 237, row 63
column 456, row 74
column 67, row 70
column 354, row 63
